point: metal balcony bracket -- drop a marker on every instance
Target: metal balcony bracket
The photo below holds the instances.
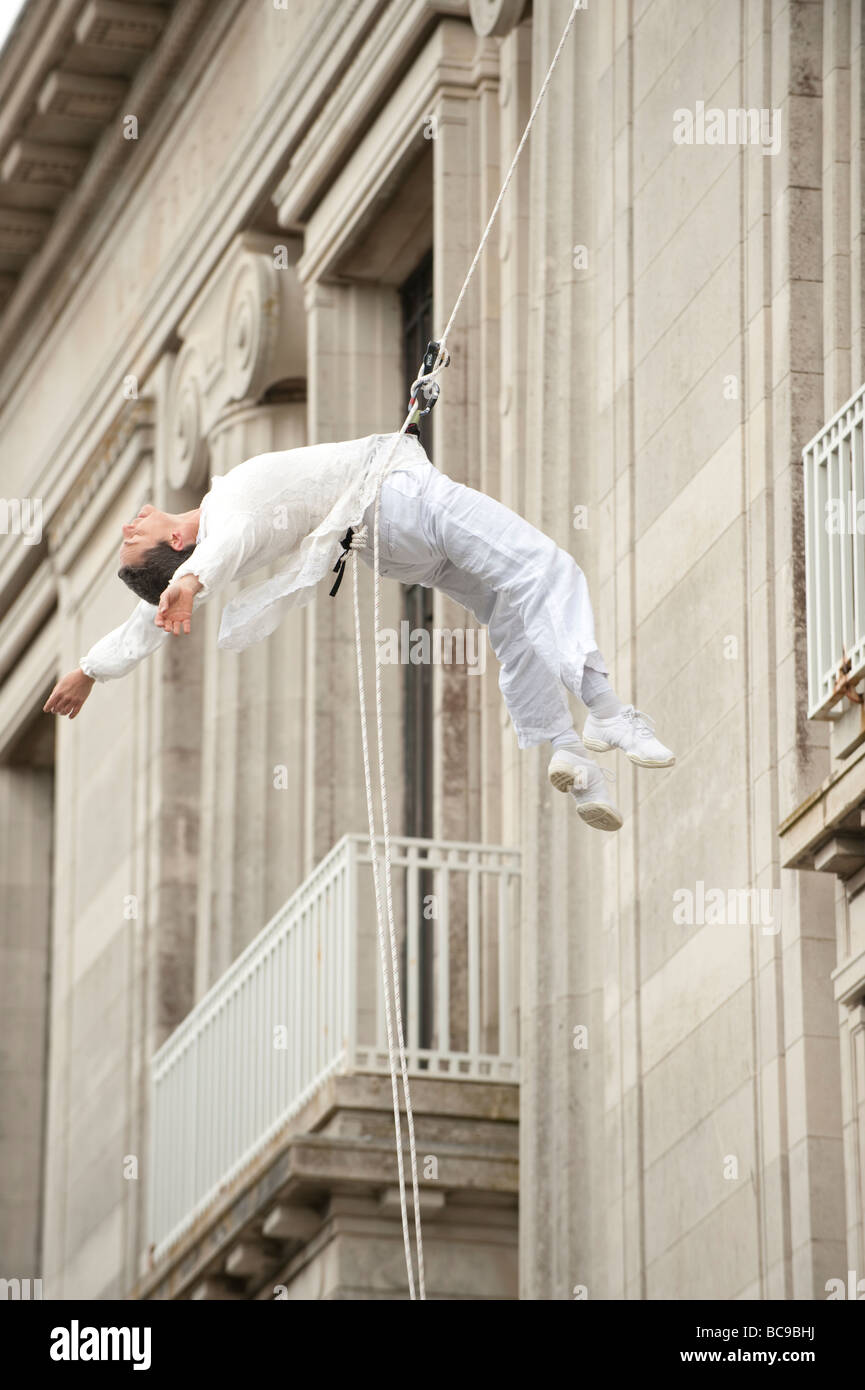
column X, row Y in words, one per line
column 844, row 686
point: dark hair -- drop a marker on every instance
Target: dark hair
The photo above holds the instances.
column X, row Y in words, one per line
column 151, row 575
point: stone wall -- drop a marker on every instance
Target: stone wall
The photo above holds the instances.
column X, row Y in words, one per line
column 654, row 332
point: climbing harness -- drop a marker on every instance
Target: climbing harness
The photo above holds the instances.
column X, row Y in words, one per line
column 354, row 539
column 424, row 394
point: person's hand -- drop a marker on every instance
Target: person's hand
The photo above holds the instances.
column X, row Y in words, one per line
column 69, row 694
column 174, row 613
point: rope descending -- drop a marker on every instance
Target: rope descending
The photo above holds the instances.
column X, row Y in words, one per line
column 425, row 388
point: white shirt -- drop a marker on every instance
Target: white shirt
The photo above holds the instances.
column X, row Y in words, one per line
column 294, row 506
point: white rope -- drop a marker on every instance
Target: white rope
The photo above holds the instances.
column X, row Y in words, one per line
column 509, row 175
column 385, row 821
column 390, row 980
column 381, row 947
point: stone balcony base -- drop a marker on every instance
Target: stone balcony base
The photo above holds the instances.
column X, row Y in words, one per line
column 316, row 1215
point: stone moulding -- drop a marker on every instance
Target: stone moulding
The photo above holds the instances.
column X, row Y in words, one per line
column 245, row 332
column 136, row 416
column 367, row 179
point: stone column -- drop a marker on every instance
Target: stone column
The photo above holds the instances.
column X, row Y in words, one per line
column 561, row 1157
column 468, row 713
column 254, row 768
column 236, row 389
column 853, row 1078
column 26, row 812
column 171, row 737
column 465, row 184
column 837, row 153
column 857, row 195
column 508, row 394
column 355, row 389
column 798, row 1078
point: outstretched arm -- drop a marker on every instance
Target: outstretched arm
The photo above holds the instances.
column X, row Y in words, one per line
column 211, row 565
column 111, row 657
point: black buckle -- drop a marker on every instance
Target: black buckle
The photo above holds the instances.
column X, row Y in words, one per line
column 339, row 567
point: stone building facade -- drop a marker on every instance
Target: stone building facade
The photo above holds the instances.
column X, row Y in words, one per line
column 224, row 228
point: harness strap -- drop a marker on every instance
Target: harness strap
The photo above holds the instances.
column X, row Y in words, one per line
column 339, row 567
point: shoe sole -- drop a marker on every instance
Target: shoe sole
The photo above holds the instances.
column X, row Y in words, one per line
column 563, row 778
column 599, row 815
column 597, row 747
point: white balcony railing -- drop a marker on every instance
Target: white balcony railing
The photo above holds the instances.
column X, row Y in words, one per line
column 834, row 468
column 305, row 1000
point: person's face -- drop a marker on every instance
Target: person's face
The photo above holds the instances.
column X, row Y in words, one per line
column 142, row 533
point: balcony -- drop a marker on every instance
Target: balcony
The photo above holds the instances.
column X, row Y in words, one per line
column 304, row 1002
column 834, row 475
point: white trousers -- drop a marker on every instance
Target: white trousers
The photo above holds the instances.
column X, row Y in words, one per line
column 531, row 595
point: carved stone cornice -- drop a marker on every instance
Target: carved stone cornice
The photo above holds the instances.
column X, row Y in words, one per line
column 118, row 24
column 38, row 165
column 38, row 88
column 54, row 106
column 80, row 97
column 7, row 285
column 192, row 40
column 363, row 185
column 354, row 101
column 244, row 333
column 21, row 230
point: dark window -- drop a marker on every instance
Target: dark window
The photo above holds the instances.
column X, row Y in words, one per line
column 417, row 321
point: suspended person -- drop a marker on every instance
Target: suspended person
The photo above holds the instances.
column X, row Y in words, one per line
column 298, row 508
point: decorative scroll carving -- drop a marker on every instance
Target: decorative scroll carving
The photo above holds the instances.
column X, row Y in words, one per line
column 250, row 329
column 187, row 444
column 243, row 336
column 495, row 17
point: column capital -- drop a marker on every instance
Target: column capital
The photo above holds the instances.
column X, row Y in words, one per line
column 244, row 430
column 245, row 332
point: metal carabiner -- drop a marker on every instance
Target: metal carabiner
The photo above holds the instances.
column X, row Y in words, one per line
column 428, row 391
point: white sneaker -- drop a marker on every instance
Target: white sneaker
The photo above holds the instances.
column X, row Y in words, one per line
column 631, row 731
column 587, row 784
